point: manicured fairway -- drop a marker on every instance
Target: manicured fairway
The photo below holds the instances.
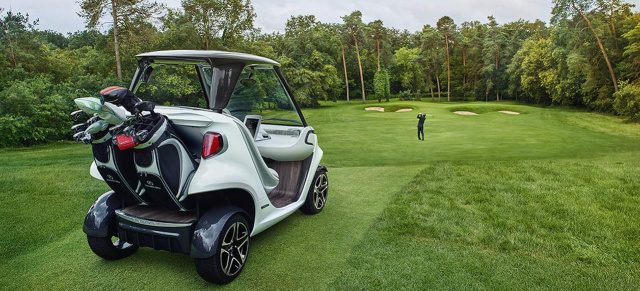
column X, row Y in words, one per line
column 548, row 199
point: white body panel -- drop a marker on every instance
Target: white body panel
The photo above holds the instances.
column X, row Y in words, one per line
column 235, row 168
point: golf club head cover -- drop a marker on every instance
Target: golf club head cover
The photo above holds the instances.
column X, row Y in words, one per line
column 119, row 96
column 79, row 116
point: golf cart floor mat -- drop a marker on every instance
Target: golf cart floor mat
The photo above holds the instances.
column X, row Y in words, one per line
column 292, row 176
column 160, row 214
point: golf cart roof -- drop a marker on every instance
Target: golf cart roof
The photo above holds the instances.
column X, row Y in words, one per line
column 213, row 57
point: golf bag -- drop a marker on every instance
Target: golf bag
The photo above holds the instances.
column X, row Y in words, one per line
column 164, row 165
column 116, row 168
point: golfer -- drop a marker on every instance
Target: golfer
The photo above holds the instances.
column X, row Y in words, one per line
column 421, row 117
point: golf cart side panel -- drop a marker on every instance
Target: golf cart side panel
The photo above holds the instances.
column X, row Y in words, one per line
column 236, row 160
column 271, row 215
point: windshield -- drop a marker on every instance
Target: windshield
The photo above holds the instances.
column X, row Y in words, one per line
column 260, row 92
column 173, row 85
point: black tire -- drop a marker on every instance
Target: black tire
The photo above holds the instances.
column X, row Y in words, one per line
column 232, row 253
column 105, row 248
column 317, row 195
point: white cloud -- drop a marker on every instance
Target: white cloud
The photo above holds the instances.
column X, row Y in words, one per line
column 60, row 15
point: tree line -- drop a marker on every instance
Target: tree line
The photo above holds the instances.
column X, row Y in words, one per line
column 588, row 56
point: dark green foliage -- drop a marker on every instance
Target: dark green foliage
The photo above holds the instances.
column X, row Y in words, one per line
column 627, row 101
column 529, row 61
column 309, row 52
column 42, row 73
column 173, row 85
column 381, row 85
column 33, row 111
column 219, row 23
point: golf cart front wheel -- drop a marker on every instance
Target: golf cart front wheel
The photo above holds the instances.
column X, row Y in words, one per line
column 108, row 249
column 233, row 249
column 317, row 196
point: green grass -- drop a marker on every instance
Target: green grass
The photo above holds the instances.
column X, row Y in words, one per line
column 555, row 225
column 543, row 200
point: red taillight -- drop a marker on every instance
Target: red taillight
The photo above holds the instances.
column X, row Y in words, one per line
column 211, row 144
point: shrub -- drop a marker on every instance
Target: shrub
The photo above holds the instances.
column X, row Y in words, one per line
column 404, row 95
column 381, row 85
column 34, row 111
column 627, row 101
column 417, row 96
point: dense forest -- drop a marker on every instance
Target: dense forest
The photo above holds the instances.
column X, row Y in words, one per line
column 588, row 57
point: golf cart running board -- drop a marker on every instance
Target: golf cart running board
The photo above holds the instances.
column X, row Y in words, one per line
column 158, row 214
column 160, row 229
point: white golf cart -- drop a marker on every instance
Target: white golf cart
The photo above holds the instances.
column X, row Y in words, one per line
column 199, row 180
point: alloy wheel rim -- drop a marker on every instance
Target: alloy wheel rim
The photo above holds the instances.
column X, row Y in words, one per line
column 234, row 249
column 320, row 191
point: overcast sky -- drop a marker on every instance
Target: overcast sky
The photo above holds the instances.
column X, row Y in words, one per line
column 60, row 15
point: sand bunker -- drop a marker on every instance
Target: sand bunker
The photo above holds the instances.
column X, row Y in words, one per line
column 374, row 109
column 509, row 112
column 404, row 110
column 465, row 113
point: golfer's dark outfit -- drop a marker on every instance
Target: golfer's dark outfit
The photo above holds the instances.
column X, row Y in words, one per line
column 421, row 119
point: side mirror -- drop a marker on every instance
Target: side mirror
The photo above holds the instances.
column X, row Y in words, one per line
column 145, row 106
column 248, row 82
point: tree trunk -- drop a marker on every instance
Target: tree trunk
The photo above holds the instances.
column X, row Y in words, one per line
column 604, row 53
column 355, row 40
column 464, row 75
column 438, row 82
column 431, row 89
column 613, row 26
column 116, row 42
column 207, row 31
column 346, row 77
column 475, row 83
column 446, row 38
column 495, row 80
column 430, row 80
column 378, row 44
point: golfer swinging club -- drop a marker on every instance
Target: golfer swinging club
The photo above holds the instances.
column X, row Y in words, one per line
column 421, row 118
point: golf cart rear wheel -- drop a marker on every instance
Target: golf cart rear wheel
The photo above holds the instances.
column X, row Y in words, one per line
column 107, row 249
column 233, row 249
column 317, row 196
